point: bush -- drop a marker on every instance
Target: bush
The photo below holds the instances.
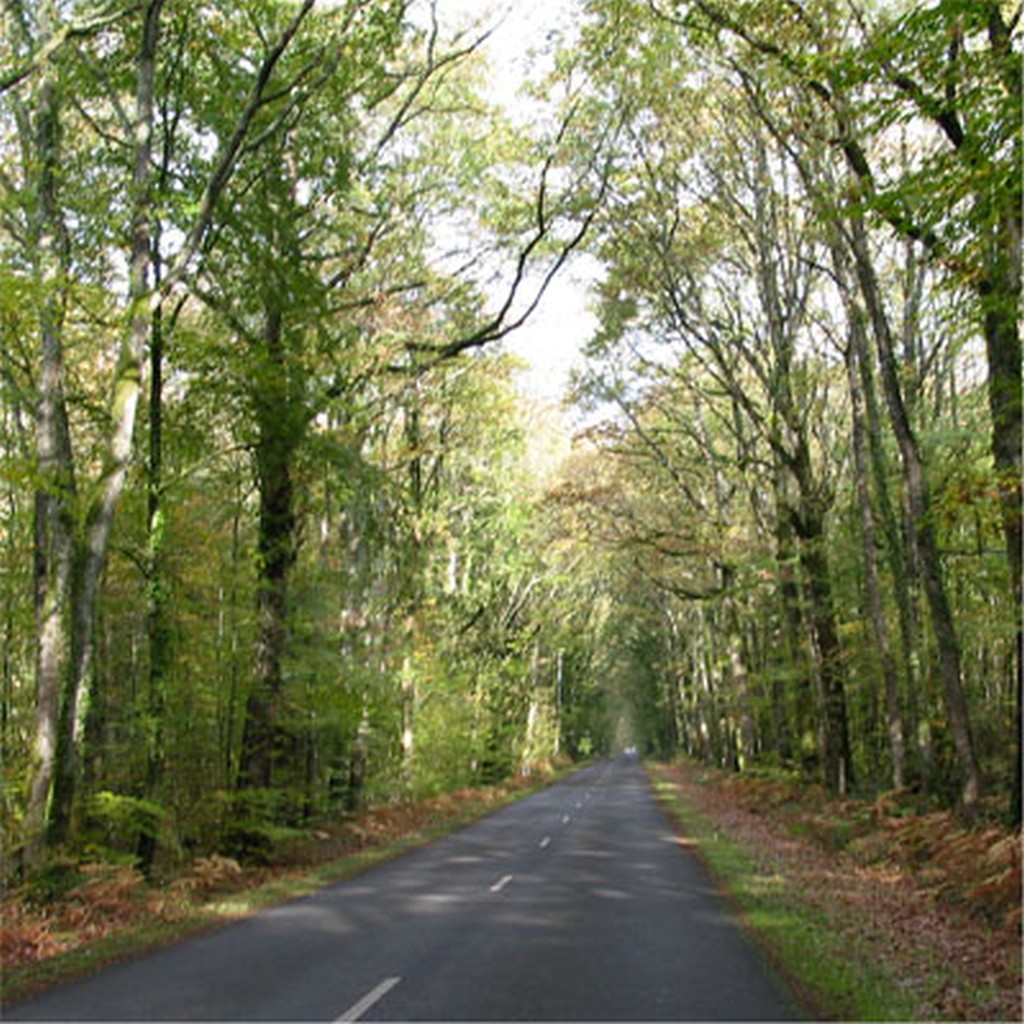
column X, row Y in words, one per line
column 210, row 875
column 116, row 821
column 53, row 880
column 253, row 826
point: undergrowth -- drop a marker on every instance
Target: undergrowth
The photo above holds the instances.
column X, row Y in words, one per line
column 975, row 867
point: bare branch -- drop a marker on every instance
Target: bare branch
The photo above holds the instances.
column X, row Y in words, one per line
column 407, row 109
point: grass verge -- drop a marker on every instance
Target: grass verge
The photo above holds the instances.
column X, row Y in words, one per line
column 831, row 978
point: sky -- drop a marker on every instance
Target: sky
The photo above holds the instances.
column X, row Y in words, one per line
column 551, row 339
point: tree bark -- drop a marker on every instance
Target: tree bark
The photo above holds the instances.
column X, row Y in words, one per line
column 791, row 613
column 738, row 675
column 55, row 497
column 1000, row 293
column 900, row 550
column 838, row 764
column 158, row 630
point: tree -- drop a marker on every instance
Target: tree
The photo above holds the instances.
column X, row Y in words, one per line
column 706, row 243
column 73, row 535
column 743, row 305
column 950, row 69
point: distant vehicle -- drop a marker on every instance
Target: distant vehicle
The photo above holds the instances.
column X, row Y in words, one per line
column 630, row 752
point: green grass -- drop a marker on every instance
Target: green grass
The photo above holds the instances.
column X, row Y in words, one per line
column 831, row 977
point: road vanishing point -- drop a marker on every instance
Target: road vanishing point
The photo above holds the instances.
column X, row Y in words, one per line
column 577, row 903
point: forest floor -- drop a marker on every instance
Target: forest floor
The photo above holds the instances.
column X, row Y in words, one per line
column 932, row 905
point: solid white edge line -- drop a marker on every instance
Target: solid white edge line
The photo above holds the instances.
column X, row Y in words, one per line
column 356, row 1011
column 501, row 883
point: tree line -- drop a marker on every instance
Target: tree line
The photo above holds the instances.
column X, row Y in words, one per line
column 810, row 347
column 274, row 541
column 269, row 547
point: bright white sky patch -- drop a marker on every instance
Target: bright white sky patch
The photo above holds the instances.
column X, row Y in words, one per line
column 521, row 47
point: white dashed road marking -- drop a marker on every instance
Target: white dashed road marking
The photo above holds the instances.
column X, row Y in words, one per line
column 356, row 1010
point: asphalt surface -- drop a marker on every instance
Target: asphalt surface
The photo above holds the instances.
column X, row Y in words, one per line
column 577, row 903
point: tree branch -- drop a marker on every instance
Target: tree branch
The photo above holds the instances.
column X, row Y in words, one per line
column 231, row 152
column 73, row 30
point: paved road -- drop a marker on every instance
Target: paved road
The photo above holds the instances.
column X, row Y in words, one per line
column 575, row 904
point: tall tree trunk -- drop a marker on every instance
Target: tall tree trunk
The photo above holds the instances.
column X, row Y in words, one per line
column 806, row 516
column 1000, row 289
column 124, row 403
column 158, row 627
column 921, row 522
column 792, row 616
column 879, row 625
column 738, row 674
column 1001, row 299
column 814, row 564
column 55, row 497
column 415, row 568
column 158, row 630
column 275, row 448
column 782, row 280
column 53, row 571
column 899, row 550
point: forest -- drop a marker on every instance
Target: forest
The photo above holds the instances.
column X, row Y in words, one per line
column 282, row 533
